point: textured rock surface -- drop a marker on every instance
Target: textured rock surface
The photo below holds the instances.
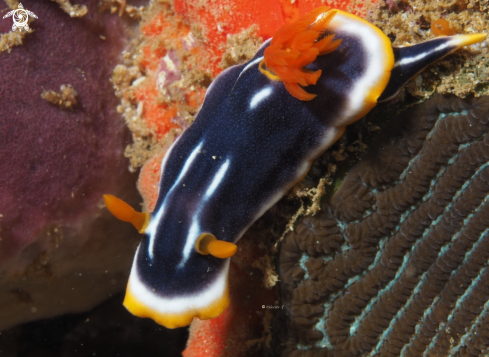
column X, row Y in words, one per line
column 60, row 251
column 395, row 263
column 56, row 163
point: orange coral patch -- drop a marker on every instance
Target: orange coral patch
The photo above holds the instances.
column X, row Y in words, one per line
column 152, row 57
column 149, row 179
column 220, row 19
column 209, row 337
column 166, row 32
column 229, row 17
column 195, row 98
column 158, row 116
column 216, row 22
column 155, row 26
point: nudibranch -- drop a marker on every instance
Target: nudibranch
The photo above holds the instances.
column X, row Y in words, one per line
column 259, row 129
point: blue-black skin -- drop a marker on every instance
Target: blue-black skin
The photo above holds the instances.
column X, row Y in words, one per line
column 265, row 146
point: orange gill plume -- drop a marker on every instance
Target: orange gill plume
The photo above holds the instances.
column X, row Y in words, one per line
column 294, row 46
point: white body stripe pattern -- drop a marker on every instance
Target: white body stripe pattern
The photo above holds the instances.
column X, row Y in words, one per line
column 194, row 231
column 260, row 96
column 376, row 61
column 153, row 225
column 419, row 57
column 180, row 304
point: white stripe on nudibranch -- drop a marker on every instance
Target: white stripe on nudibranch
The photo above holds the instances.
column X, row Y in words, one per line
column 217, row 179
column 153, row 224
column 260, row 96
column 200, row 300
column 408, row 60
column 249, row 65
column 375, row 62
column 188, row 162
column 194, row 231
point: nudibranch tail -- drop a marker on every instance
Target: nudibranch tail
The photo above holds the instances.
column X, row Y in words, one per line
column 460, row 41
column 411, row 60
column 297, row 45
column 121, row 210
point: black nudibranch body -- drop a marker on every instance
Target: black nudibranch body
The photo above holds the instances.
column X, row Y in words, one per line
column 250, row 143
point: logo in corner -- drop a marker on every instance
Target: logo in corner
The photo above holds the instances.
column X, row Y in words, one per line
column 20, row 17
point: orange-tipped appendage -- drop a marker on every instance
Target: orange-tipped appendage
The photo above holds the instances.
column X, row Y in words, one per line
column 222, row 249
column 121, row 210
column 294, row 46
column 208, row 244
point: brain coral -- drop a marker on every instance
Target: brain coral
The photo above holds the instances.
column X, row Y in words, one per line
column 395, row 264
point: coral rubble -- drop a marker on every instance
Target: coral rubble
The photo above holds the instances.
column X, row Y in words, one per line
column 395, row 262
column 65, row 98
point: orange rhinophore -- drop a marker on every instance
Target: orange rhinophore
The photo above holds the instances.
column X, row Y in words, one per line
column 296, row 45
column 208, row 244
column 121, row 210
column 441, row 27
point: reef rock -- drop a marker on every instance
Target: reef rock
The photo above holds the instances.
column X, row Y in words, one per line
column 395, row 263
column 60, row 151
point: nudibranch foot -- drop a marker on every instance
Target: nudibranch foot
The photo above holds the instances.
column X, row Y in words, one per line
column 297, row 45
